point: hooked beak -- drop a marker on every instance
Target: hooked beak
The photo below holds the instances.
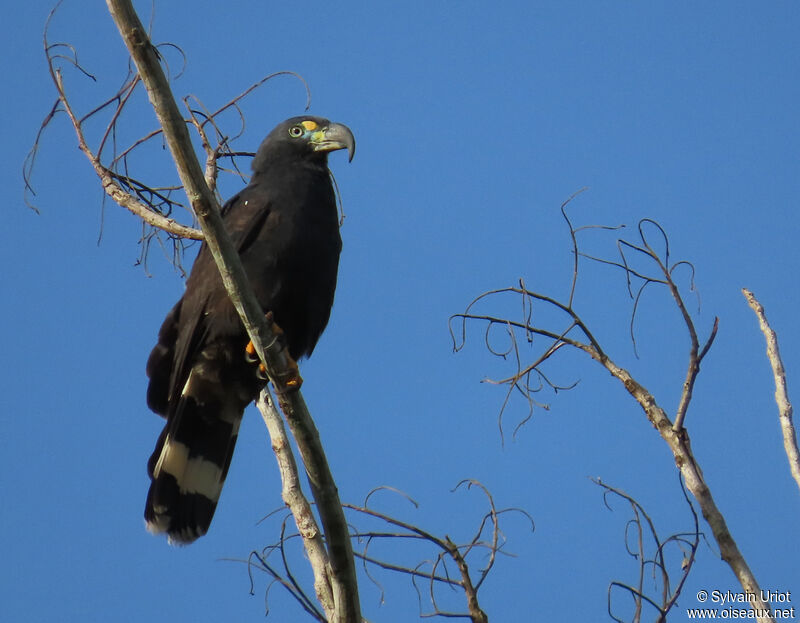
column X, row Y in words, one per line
column 335, row 136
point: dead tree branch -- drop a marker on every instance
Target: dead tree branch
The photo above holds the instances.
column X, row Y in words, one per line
column 449, row 550
column 292, row 494
column 785, row 410
column 285, row 577
column 124, row 191
column 451, row 565
column 645, row 532
column 487, row 540
column 98, row 132
column 658, row 270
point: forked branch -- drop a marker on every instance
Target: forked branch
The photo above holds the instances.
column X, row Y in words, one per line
column 643, row 264
column 650, row 552
column 396, row 546
column 152, row 204
column 98, row 131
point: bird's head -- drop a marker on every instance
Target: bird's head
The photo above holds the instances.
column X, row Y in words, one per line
column 305, row 137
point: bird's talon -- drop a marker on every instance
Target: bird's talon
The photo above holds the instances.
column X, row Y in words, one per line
column 290, row 382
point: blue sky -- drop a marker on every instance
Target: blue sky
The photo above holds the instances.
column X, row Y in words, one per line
column 474, row 122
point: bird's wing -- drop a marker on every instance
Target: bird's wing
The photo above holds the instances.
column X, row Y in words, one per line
column 185, row 327
column 210, row 384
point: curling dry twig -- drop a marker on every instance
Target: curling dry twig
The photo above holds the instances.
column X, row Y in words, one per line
column 645, row 531
column 487, row 539
column 155, row 204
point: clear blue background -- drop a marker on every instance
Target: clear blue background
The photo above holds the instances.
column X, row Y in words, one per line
column 474, row 122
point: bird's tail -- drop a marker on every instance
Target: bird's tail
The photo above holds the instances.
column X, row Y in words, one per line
column 190, row 462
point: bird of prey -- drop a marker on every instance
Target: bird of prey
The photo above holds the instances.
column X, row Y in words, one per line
column 285, row 226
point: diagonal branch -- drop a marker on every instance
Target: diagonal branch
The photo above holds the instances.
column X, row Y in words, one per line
column 345, row 606
column 111, row 181
column 781, row 394
column 680, row 445
column 294, row 499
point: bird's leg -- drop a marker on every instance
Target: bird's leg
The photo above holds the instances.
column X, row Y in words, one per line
column 288, row 380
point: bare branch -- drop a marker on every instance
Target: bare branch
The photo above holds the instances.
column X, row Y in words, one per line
column 212, row 154
column 785, row 410
column 143, row 199
column 575, row 255
column 680, row 445
column 487, row 539
column 112, row 182
column 656, row 560
column 235, row 101
column 578, row 336
column 285, row 578
column 691, row 376
column 299, row 506
column 433, row 571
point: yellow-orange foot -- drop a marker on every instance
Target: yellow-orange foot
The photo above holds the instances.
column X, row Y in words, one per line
column 252, row 357
column 288, row 380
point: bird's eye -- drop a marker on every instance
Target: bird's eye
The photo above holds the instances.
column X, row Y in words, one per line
column 295, row 131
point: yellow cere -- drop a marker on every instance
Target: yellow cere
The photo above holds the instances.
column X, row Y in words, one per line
column 309, row 125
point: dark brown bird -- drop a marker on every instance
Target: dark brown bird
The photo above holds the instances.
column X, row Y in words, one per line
column 285, row 226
